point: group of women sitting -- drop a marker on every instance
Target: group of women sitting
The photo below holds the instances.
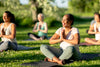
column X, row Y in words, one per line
column 67, row 36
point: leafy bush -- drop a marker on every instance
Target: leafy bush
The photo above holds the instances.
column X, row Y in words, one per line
column 52, row 22
column 1, row 20
column 26, row 22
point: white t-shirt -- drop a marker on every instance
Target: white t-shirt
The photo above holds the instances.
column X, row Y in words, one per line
column 97, row 36
column 70, row 36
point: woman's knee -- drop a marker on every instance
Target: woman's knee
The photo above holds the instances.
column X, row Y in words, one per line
column 7, row 43
column 29, row 34
column 43, row 47
column 70, row 49
column 86, row 39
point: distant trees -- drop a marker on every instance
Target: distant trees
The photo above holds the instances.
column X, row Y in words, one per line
column 39, row 6
column 84, row 5
column 36, row 6
column 1, row 3
column 11, row 4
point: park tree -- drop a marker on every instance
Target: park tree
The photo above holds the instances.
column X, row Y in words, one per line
column 36, row 6
column 84, row 5
column 11, row 4
column 1, row 3
column 42, row 6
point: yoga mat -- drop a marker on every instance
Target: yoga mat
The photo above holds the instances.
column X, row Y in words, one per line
column 85, row 44
column 29, row 40
column 41, row 64
column 85, row 56
column 20, row 47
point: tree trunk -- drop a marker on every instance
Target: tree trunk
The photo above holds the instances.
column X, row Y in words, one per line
column 35, row 9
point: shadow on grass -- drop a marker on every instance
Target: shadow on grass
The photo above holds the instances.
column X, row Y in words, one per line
column 21, row 57
column 87, row 66
column 34, row 43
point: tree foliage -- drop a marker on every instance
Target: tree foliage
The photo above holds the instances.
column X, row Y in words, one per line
column 11, row 4
column 84, row 5
column 42, row 6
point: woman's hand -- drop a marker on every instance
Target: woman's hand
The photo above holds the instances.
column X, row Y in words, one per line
column 62, row 34
column 39, row 27
column 2, row 32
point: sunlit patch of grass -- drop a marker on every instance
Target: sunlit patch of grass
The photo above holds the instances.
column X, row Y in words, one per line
column 16, row 58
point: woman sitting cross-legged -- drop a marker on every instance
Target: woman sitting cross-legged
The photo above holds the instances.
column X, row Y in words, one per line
column 94, row 29
column 68, row 37
column 8, row 32
column 40, row 27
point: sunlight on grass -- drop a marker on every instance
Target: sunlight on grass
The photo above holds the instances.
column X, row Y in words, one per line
column 16, row 58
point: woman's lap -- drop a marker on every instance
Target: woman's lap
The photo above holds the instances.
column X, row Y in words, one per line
column 62, row 54
column 6, row 45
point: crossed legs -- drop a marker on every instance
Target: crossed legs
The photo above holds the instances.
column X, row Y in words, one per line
column 57, row 55
column 90, row 41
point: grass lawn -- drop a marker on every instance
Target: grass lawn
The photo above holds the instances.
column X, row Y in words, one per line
column 16, row 58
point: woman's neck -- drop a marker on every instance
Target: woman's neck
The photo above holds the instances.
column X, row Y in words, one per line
column 98, row 22
column 41, row 22
column 68, row 28
column 7, row 23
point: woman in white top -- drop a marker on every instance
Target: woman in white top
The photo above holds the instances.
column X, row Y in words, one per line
column 8, row 32
column 94, row 29
column 68, row 37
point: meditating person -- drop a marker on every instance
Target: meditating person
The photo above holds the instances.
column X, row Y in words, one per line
column 94, row 29
column 40, row 27
column 92, row 22
column 68, row 37
column 8, row 32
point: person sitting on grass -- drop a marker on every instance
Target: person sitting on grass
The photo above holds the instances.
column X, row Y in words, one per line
column 94, row 29
column 40, row 27
column 69, row 38
column 92, row 22
column 8, row 32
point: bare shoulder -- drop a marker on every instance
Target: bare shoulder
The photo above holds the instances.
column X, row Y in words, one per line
column 1, row 24
column 13, row 25
column 93, row 24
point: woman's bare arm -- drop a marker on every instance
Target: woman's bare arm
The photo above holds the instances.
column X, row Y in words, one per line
column 73, row 41
column 55, row 39
column 13, row 32
column 34, row 29
column 91, row 30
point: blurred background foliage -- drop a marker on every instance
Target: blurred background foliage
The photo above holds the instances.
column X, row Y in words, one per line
column 26, row 15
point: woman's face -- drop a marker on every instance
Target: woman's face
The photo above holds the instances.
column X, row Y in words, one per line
column 6, row 18
column 65, row 22
column 97, row 18
column 40, row 18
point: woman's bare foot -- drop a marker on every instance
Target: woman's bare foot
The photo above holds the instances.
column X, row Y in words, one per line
column 60, row 62
column 55, row 61
column 47, row 59
column 1, row 50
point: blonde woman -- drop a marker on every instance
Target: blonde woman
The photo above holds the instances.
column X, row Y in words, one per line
column 40, row 27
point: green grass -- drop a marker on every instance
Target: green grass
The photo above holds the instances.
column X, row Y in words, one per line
column 16, row 58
